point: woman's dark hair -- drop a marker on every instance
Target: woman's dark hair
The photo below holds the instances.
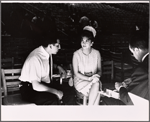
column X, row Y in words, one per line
column 139, row 42
column 88, row 34
column 48, row 40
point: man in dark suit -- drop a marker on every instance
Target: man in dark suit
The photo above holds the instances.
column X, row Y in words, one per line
column 138, row 83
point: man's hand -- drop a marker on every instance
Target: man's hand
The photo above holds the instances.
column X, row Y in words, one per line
column 118, row 85
column 126, row 82
column 62, row 72
column 59, row 94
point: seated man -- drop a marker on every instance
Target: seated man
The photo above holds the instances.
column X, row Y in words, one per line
column 36, row 76
column 138, row 83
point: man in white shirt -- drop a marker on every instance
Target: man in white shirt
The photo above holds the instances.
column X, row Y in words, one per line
column 36, row 75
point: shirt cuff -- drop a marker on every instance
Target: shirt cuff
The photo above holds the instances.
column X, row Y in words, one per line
column 119, row 87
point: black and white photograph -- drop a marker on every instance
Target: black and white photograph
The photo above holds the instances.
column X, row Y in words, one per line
column 75, row 60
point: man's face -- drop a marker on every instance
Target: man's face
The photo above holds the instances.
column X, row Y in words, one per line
column 136, row 53
column 55, row 47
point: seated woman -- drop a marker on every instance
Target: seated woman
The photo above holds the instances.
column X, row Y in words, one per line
column 87, row 67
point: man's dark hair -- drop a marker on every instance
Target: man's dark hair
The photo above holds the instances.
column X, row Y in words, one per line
column 48, row 40
column 139, row 42
column 88, row 34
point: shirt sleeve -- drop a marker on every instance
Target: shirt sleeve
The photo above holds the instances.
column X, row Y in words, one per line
column 34, row 70
column 124, row 96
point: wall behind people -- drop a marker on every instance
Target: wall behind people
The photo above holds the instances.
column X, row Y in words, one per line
column 14, row 21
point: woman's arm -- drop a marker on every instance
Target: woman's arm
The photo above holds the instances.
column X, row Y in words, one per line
column 99, row 72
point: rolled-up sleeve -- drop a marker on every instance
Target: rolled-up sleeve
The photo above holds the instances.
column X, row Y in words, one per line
column 34, row 70
column 31, row 71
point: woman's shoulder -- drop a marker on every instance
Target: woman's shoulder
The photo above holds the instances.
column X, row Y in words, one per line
column 95, row 50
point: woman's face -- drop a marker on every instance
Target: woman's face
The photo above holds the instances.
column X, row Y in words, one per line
column 86, row 43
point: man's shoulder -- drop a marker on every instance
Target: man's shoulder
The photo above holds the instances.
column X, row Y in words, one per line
column 141, row 68
column 32, row 58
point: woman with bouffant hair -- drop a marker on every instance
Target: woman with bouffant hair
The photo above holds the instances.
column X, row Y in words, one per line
column 87, row 66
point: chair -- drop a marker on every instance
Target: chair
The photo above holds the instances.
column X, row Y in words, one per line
column 6, row 63
column 119, row 64
column 81, row 99
column 105, row 53
column 2, row 91
column 107, row 77
column 11, row 84
column 107, row 70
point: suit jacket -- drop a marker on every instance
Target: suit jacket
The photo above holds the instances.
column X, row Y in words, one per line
column 139, row 84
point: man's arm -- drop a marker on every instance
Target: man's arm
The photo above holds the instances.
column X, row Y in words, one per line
column 60, row 69
column 126, row 82
column 124, row 96
column 123, row 93
column 37, row 86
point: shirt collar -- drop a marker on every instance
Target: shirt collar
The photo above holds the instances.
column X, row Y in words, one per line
column 44, row 52
column 145, row 56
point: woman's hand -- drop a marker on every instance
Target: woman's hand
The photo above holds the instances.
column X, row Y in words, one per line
column 95, row 79
column 96, row 75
